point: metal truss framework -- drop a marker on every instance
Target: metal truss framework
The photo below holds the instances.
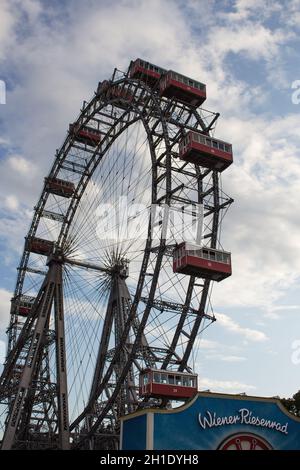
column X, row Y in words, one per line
column 37, row 401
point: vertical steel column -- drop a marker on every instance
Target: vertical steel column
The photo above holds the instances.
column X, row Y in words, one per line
column 104, row 342
column 33, row 354
column 61, row 368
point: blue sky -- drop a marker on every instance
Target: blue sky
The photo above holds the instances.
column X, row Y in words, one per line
column 52, row 55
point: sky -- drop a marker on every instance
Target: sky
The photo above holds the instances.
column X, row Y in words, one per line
column 52, row 56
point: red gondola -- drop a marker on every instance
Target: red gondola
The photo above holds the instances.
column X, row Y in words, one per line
column 39, row 246
column 163, row 383
column 59, row 187
column 103, row 86
column 204, row 262
column 85, row 134
column 121, row 93
column 169, row 384
column 145, row 71
column 117, row 92
column 205, row 151
column 23, row 305
column 182, row 88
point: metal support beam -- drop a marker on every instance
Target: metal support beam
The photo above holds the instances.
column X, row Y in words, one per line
column 165, row 305
column 82, row 264
column 104, row 342
column 37, row 340
column 34, row 352
column 61, row 368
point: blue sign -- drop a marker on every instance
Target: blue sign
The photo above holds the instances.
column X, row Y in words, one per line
column 214, row 421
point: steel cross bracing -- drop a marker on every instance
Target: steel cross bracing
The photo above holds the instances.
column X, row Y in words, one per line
column 165, row 122
column 118, row 307
column 34, row 346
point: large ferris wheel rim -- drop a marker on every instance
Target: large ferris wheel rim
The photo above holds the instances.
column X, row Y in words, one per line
column 61, row 157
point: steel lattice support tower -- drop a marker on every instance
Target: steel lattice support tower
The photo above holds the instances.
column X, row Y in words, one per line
column 51, row 298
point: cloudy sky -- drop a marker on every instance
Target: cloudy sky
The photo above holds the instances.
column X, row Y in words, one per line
column 52, row 55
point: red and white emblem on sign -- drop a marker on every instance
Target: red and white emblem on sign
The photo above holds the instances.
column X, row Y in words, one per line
column 244, row 441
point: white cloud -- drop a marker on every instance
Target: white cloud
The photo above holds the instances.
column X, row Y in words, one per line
column 291, row 14
column 276, row 311
column 224, row 385
column 265, row 241
column 2, row 353
column 5, row 297
column 226, row 358
column 4, row 142
column 243, row 9
column 12, row 232
column 7, row 23
column 12, row 202
column 252, row 335
column 207, row 343
column 263, row 44
column 233, row 358
column 20, row 164
column 32, row 9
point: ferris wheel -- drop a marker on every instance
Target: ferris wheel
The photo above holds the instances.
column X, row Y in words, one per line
column 118, row 263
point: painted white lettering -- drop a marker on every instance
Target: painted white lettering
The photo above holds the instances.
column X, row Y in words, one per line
column 244, row 416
